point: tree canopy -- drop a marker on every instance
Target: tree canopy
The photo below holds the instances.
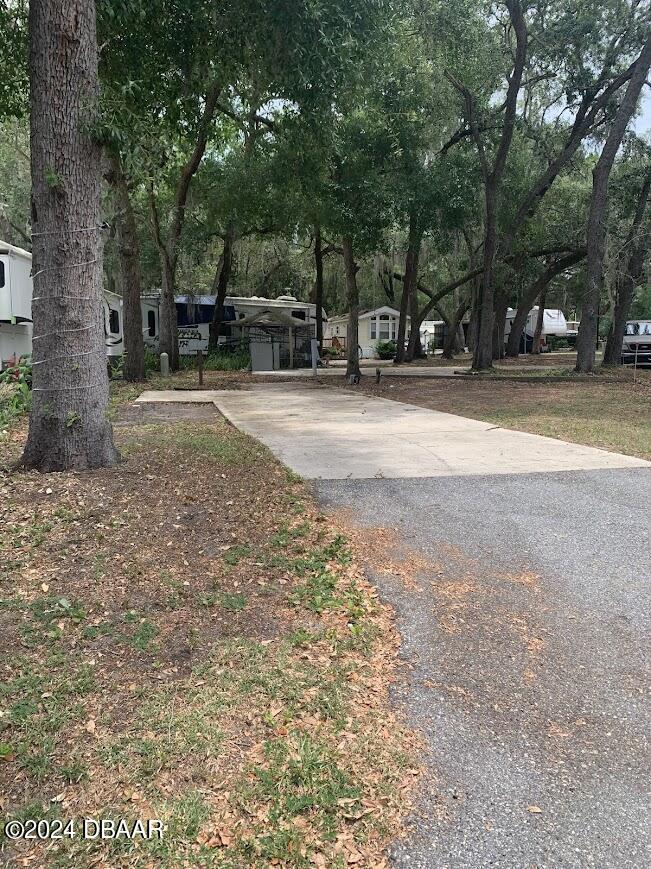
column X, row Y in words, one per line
column 437, row 138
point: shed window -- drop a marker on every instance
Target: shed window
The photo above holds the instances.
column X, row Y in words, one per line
column 2, row 274
column 114, row 321
column 300, row 315
column 151, row 323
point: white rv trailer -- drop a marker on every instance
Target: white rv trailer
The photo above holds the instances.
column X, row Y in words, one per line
column 195, row 313
column 15, row 302
column 16, row 290
column 554, row 325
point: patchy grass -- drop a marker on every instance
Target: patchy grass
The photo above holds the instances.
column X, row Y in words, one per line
column 184, row 637
column 612, row 416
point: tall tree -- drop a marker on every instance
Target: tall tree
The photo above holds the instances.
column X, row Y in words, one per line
column 169, row 243
column 13, row 68
column 318, row 284
column 352, row 298
column 596, row 230
column 129, row 257
column 68, row 426
column 630, row 273
column 493, row 173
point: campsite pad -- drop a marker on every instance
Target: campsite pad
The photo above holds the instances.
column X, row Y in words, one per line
column 517, row 572
column 140, row 413
column 324, row 433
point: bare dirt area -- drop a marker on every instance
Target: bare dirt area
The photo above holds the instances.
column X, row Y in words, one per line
column 612, row 416
column 186, row 637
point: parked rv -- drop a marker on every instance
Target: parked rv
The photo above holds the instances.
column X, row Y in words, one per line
column 636, row 346
column 195, row 314
column 15, row 303
column 554, row 326
column 572, row 332
column 16, row 288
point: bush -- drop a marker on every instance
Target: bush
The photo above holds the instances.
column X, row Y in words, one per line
column 386, row 349
column 556, row 343
column 230, row 358
column 116, row 367
column 15, row 391
column 227, row 358
column 152, row 361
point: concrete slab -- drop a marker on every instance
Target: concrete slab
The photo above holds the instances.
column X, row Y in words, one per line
column 324, row 433
column 177, row 396
column 369, row 371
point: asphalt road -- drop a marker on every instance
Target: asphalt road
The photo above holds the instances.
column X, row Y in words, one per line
column 525, row 629
column 526, row 640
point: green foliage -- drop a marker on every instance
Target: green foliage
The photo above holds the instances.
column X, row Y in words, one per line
column 386, row 349
column 15, row 391
column 15, row 185
column 341, row 115
column 229, row 361
column 14, row 85
column 152, row 361
column 641, row 307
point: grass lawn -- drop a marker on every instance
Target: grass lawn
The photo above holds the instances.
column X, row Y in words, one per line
column 185, row 637
column 612, row 416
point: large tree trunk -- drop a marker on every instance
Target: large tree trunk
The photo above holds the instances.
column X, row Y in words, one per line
column 68, row 428
column 414, row 347
column 168, row 323
column 220, row 287
column 596, row 231
column 409, row 298
column 169, row 249
column 318, row 294
column 452, row 340
column 540, row 319
column 404, row 313
column 531, row 294
column 129, row 255
column 631, row 277
column 483, row 351
column 501, row 306
column 352, row 337
column 473, row 325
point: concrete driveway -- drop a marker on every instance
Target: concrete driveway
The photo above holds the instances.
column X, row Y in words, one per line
column 325, row 433
column 525, row 626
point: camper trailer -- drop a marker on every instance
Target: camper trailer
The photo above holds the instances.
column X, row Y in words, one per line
column 16, row 308
column 195, row 313
column 554, row 325
column 113, row 324
column 15, row 303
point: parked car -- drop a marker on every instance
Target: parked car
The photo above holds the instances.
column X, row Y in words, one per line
column 637, row 342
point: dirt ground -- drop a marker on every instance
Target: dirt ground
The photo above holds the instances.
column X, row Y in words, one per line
column 612, row 416
column 185, row 637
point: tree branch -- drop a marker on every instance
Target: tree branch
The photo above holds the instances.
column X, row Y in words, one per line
column 190, row 169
